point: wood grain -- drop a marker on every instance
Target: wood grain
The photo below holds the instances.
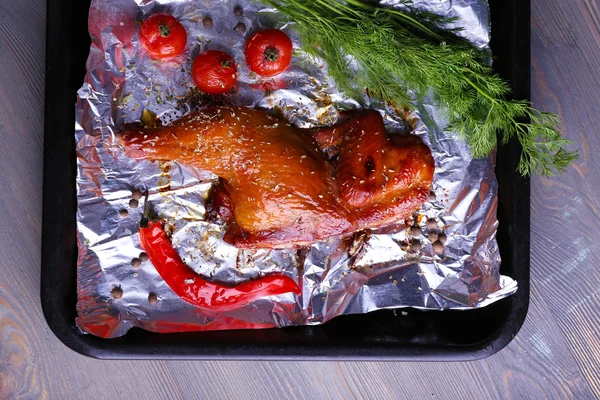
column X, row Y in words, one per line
column 556, row 355
column 566, row 66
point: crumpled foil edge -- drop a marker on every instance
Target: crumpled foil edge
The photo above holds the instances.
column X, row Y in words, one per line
column 384, row 273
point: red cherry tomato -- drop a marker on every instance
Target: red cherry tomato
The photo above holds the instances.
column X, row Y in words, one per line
column 269, row 52
column 214, row 72
column 162, row 36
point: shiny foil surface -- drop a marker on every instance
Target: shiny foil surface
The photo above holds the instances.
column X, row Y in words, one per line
column 386, row 268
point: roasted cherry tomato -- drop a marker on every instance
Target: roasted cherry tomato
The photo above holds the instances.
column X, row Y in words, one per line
column 162, row 36
column 214, row 72
column 269, row 52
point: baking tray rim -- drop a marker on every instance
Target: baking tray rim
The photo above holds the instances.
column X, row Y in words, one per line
column 54, row 231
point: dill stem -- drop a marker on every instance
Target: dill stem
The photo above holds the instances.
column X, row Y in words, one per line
column 414, row 22
column 336, row 8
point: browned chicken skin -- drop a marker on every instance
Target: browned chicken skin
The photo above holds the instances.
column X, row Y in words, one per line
column 277, row 187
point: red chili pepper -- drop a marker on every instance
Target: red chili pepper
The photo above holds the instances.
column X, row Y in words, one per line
column 197, row 291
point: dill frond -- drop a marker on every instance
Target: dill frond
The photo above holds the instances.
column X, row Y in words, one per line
column 399, row 52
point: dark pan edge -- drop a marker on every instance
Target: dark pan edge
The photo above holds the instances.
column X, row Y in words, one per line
column 58, row 220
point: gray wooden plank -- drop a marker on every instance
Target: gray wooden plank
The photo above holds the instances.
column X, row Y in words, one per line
column 565, row 218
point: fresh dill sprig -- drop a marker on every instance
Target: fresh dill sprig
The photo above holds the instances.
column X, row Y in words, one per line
column 399, row 52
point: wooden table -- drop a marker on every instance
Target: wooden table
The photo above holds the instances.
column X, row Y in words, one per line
column 556, row 354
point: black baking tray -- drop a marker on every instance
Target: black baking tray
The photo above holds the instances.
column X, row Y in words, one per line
column 381, row 335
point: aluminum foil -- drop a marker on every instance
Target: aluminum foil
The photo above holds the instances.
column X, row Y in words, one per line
column 375, row 271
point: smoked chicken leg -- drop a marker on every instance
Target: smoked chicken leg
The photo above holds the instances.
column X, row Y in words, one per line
column 277, row 187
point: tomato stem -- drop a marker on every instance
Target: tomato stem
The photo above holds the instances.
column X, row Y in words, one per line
column 164, row 30
column 271, row 54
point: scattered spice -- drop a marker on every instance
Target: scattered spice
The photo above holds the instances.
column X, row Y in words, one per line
column 116, row 293
column 443, row 238
column 143, row 257
column 238, row 11
column 152, row 298
column 123, row 213
column 149, row 119
column 432, row 237
column 415, row 231
column 136, row 263
column 207, row 22
column 240, row 27
column 415, row 245
column 356, row 242
column 195, row 99
column 438, row 248
column 133, row 203
column 136, row 194
column 431, row 223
